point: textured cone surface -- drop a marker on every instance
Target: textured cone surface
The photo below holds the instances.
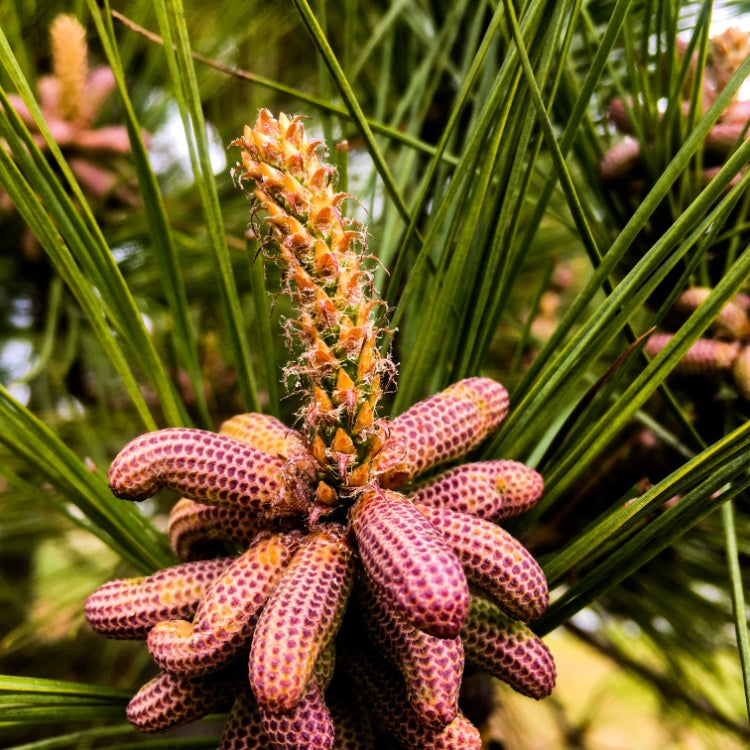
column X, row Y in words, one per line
column 731, row 321
column 410, row 564
column 386, row 699
column 267, row 434
column 195, row 529
column 170, row 701
column 495, row 561
column 203, row 466
column 431, row 667
column 301, row 616
column 243, row 729
column 441, row 428
column 226, row 616
column 704, row 357
column 130, row 607
column 493, row 490
column 507, row 649
column 307, row 725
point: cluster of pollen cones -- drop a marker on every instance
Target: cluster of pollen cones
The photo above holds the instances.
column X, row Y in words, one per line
column 373, row 567
column 627, row 163
column 70, row 99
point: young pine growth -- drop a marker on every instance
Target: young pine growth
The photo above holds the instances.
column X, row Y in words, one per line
column 339, row 331
column 71, row 100
column 348, row 609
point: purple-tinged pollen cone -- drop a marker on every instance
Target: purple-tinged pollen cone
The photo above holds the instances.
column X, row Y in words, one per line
column 494, row 490
column 494, row 561
column 225, row 620
column 302, row 615
column 410, row 564
column 206, row 467
column 507, row 649
column 129, row 607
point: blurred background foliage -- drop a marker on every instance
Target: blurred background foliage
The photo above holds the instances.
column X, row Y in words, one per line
column 475, row 136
